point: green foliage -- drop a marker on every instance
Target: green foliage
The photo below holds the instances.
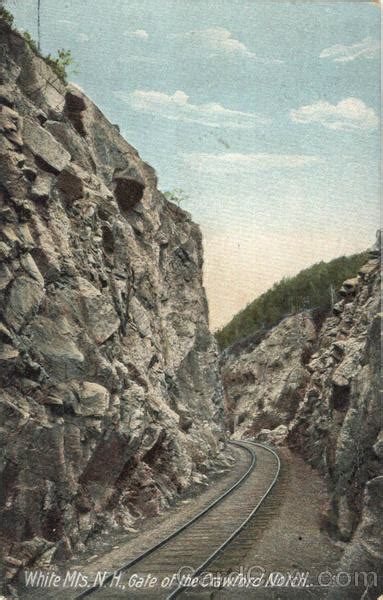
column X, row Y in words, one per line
column 60, row 64
column 31, row 42
column 6, row 16
column 177, row 196
column 311, row 288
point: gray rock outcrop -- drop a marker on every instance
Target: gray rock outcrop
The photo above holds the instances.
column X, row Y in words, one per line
column 266, row 383
column 110, row 396
column 315, row 385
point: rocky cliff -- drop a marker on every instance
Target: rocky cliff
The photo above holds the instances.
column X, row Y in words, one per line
column 265, row 379
column 313, row 383
column 110, row 392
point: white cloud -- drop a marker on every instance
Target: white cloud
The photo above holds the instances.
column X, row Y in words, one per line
column 218, row 40
column 238, row 164
column 367, row 48
column 139, row 34
column 178, row 108
column 348, row 114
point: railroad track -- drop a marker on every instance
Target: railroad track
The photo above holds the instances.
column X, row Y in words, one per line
column 200, row 541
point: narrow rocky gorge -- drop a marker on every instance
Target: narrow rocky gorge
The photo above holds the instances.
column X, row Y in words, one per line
column 313, row 384
column 113, row 398
column 111, row 401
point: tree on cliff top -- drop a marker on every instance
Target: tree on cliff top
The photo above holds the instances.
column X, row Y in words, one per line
column 58, row 64
column 177, row 196
column 5, row 15
column 311, row 288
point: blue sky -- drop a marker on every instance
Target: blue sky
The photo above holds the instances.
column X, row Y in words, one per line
column 265, row 113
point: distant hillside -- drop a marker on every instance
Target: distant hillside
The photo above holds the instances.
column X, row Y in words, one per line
column 312, row 287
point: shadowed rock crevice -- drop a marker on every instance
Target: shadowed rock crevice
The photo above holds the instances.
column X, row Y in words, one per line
column 74, row 108
column 108, row 239
column 340, row 397
column 128, row 193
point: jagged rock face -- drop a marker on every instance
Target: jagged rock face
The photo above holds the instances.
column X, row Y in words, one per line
column 110, row 396
column 338, row 425
column 265, row 384
column 364, row 554
column 335, row 419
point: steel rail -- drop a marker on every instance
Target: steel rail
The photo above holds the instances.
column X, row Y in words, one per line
column 181, row 588
column 171, row 536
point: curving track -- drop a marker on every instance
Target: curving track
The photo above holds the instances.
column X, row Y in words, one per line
column 201, row 540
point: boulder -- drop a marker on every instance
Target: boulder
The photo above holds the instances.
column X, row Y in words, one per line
column 80, row 151
column 41, row 188
column 350, row 287
column 7, row 94
column 24, row 300
column 8, row 352
column 275, row 436
column 10, row 125
column 94, row 399
column 5, row 276
column 55, row 346
column 75, row 105
column 139, row 317
column 99, row 315
column 74, row 101
column 129, row 188
column 71, row 183
column 31, row 268
column 44, row 146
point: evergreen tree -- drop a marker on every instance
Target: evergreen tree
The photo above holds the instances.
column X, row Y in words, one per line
column 314, row 287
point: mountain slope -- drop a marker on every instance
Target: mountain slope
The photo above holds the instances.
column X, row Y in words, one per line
column 312, row 287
